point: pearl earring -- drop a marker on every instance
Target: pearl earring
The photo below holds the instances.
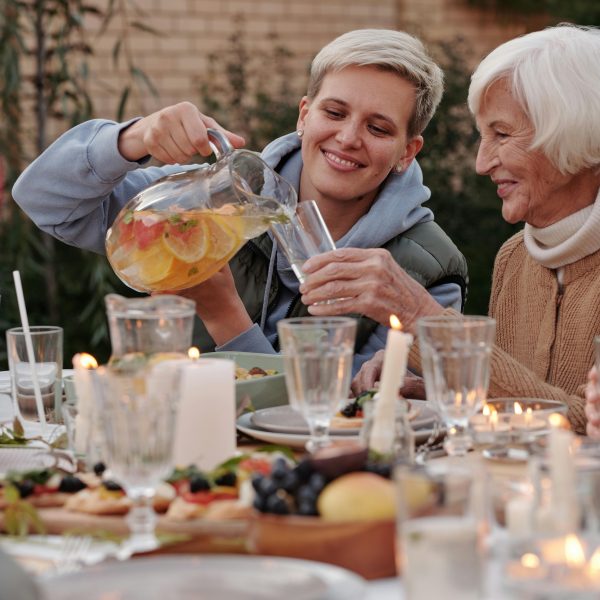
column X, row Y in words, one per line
column 398, row 168
column 300, row 132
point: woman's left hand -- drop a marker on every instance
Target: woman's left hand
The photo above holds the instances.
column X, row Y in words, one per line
column 365, row 281
column 219, row 306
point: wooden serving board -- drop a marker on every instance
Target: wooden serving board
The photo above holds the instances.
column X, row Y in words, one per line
column 201, row 535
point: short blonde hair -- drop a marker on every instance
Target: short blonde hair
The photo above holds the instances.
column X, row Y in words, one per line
column 554, row 74
column 389, row 50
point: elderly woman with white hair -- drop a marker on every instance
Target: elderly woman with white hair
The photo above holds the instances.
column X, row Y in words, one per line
column 536, row 101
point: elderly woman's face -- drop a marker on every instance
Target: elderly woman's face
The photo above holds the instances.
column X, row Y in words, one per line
column 531, row 188
column 355, row 132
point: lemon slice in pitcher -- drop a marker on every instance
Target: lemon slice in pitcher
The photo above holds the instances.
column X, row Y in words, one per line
column 186, row 240
column 223, row 239
column 150, row 265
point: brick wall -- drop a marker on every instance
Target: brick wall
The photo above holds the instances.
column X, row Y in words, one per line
column 189, row 30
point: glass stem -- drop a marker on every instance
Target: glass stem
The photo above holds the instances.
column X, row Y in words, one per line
column 319, row 437
column 141, row 520
column 458, row 441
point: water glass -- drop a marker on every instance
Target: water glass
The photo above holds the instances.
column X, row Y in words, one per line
column 317, row 355
column 303, row 236
column 438, row 531
column 138, row 409
column 47, row 343
column 455, row 354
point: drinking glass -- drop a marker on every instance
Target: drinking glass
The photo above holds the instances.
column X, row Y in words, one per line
column 438, row 529
column 47, row 343
column 455, row 354
column 317, row 355
column 303, row 236
column 137, row 409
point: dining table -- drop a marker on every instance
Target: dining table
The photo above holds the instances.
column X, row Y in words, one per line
column 389, row 588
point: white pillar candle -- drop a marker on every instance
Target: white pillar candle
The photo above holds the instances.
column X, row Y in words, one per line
column 205, row 424
column 82, row 377
column 392, row 376
column 563, row 477
column 519, row 516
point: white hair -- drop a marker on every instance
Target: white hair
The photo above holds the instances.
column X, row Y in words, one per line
column 389, row 50
column 555, row 76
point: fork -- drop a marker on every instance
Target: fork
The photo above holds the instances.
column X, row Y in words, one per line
column 73, row 552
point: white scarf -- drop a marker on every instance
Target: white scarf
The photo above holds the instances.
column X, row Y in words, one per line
column 567, row 240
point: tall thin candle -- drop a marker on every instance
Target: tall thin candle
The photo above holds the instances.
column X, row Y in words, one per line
column 392, row 376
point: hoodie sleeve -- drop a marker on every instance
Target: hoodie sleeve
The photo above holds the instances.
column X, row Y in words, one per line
column 76, row 187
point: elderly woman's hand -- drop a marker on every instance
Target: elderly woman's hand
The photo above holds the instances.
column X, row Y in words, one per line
column 365, row 281
column 592, row 404
column 219, row 306
column 172, row 135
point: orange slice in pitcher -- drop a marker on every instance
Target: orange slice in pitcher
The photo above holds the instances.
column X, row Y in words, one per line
column 222, row 238
column 186, row 240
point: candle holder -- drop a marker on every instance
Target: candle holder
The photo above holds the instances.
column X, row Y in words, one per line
column 554, row 568
column 513, row 423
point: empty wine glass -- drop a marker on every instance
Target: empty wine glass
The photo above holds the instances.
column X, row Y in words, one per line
column 317, row 354
column 137, row 409
column 455, row 354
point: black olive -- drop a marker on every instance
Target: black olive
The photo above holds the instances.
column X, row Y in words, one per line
column 25, row 488
column 112, row 486
column 99, row 468
column 229, row 479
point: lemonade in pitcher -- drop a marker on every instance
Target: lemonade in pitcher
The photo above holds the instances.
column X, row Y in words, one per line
column 160, row 251
column 185, row 227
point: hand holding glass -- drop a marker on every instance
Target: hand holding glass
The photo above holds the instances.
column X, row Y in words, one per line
column 317, row 354
column 303, row 236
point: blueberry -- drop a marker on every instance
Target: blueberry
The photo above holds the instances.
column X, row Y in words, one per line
column 112, row 486
column 317, row 482
column 306, row 494
column 71, row 484
column 307, row 509
column 290, row 482
column 25, row 488
column 99, row 468
column 199, row 483
column 304, row 469
column 260, row 503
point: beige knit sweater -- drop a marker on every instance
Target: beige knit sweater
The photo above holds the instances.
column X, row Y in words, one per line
column 544, row 336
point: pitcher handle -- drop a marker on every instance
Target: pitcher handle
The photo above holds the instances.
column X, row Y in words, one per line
column 220, row 145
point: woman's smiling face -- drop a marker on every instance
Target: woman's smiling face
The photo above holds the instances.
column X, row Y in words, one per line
column 355, row 133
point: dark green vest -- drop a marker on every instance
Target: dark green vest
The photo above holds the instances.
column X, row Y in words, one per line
column 425, row 252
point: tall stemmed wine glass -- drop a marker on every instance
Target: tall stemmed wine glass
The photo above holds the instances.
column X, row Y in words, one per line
column 137, row 409
column 455, row 353
column 317, row 354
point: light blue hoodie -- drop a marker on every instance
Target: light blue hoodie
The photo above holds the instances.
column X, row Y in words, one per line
column 75, row 189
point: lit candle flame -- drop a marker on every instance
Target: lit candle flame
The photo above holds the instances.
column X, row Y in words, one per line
column 194, row 353
column 494, row 420
column 594, row 566
column 530, row 560
column 395, row 322
column 574, row 554
column 486, row 410
column 518, row 408
column 85, row 361
column 558, row 421
column 528, row 415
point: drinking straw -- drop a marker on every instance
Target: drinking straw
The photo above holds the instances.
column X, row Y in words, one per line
column 29, row 345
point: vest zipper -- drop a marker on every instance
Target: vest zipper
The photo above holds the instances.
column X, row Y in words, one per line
column 288, row 312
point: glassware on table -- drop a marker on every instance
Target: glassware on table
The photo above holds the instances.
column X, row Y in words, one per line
column 317, row 354
column 455, row 355
column 47, row 342
column 161, row 324
column 137, row 410
column 183, row 228
column 438, row 530
column 303, row 236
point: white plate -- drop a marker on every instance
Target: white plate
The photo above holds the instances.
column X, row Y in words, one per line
column 298, row 440
column 284, row 419
column 209, row 577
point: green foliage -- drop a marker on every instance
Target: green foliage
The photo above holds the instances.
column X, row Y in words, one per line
column 62, row 285
column 234, row 90
column 464, row 204
column 582, row 12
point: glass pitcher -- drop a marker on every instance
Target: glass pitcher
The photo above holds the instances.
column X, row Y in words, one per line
column 185, row 227
column 156, row 325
